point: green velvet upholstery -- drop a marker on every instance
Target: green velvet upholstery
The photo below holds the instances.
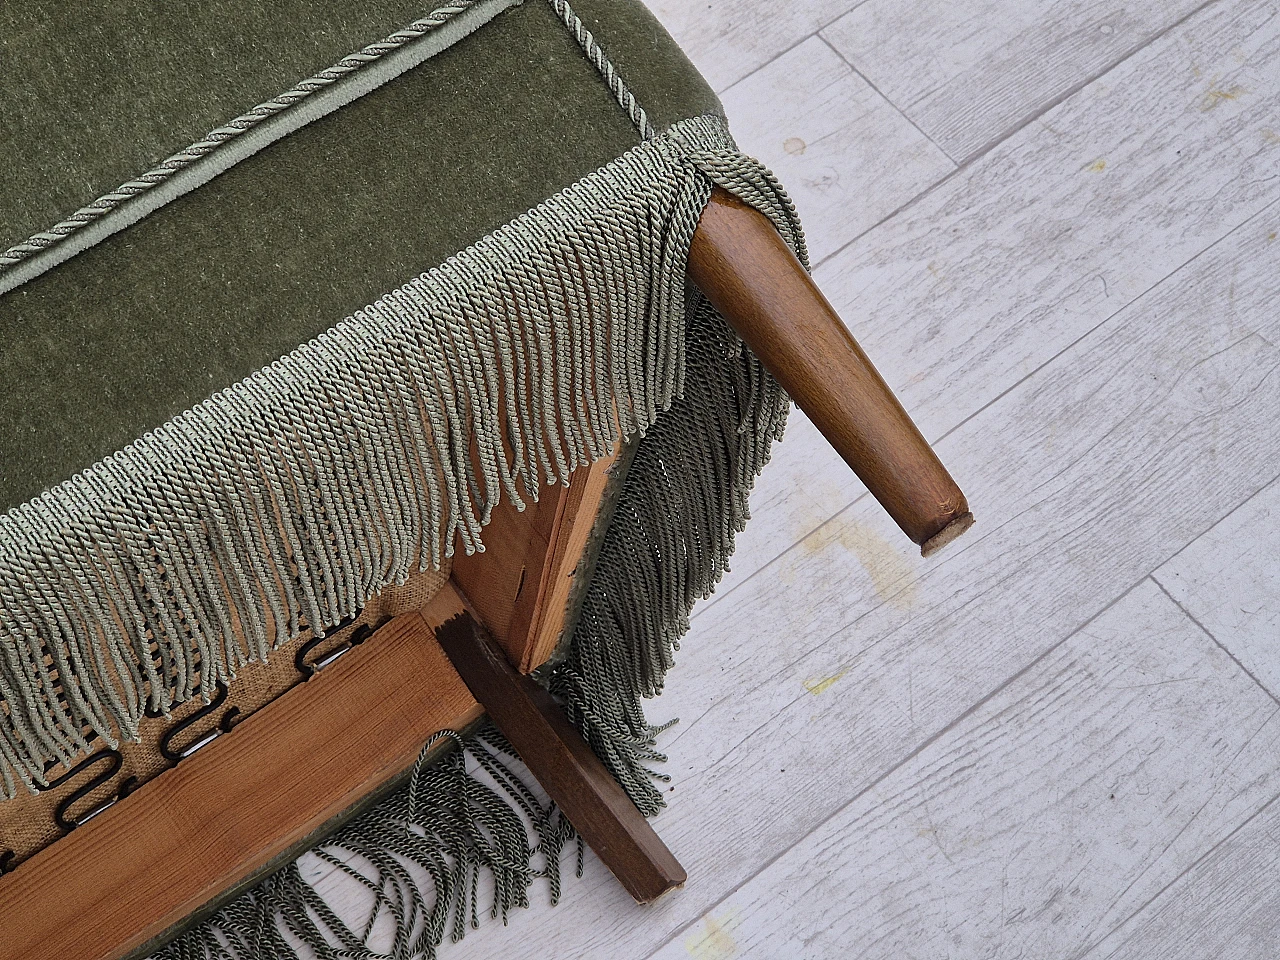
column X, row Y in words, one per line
column 222, row 281
column 97, row 91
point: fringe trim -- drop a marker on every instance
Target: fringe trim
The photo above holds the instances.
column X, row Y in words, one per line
column 287, row 500
column 450, row 825
column 683, row 501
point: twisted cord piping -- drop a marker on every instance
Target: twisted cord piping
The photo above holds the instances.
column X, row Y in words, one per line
column 612, row 78
column 229, row 131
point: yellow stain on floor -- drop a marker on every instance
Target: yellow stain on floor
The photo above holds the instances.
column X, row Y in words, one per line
column 1216, row 95
column 714, row 941
column 891, row 575
column 820, row 685
column 1097, row 166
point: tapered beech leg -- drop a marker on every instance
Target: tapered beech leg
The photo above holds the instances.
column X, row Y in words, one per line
column 751, row 276
column 560, row 759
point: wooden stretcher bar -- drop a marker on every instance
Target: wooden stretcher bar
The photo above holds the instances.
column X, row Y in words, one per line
column 236, row 809
column 560, row 759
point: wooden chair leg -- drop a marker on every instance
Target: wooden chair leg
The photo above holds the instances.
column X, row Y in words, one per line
column 751, row 276
column 560, row 759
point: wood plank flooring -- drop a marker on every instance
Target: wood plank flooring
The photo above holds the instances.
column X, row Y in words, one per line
column 1054, row 229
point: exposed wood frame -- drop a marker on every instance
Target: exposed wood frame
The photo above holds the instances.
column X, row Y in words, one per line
column 520, row 586
column 293, row 770
column 245, row 804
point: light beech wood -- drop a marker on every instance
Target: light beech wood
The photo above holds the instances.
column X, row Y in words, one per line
column 519, row 586
column 241, row 805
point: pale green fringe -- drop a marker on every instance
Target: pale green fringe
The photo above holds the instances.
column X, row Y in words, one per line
column 286, row 501
column 291, row 498
column 683, row 500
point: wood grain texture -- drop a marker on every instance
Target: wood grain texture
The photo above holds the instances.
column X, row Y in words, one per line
column 579, row 513
column 519, row 586
column 728, row 41
column 754, row 280
column 970, row 73
column 846, row 155
column 217, row 818
column 1225, row 907
column 562, row 762
column 1080, row 465
column 996, row 842
column 985, row 278
column 1229, row 581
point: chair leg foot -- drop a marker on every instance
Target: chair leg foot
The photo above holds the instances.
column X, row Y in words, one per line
column 751, row 276
column 562, row 762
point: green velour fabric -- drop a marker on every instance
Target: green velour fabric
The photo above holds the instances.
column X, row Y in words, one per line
column 97, row 91
column 266, row 256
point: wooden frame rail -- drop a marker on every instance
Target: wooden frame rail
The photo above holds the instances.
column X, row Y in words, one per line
column 234, row 810
column 560, row 759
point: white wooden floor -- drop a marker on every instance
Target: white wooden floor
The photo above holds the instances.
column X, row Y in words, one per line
column 1053, row 226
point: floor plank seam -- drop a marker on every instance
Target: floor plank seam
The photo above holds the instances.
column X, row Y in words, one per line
column 1016, row 129
column 1091, row 948
column 902, row 113
column 1091, row 78
column 911, row 755
column 720, row 91
column 1208, row 633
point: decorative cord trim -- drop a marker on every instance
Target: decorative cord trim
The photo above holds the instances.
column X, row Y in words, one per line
column 220, row 137
column 230, row 131
column 602, row 63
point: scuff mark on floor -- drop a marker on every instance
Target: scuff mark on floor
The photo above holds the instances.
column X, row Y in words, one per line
column 1216, row 95
column 820, row 685
column 891, row 574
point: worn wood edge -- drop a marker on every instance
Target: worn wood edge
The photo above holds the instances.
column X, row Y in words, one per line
column 536, row 562
column 590, row 556
column 580, row 511
column 947, row 534
column 128, row 944
column 519, row 585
